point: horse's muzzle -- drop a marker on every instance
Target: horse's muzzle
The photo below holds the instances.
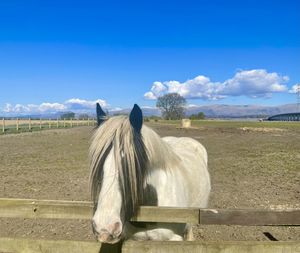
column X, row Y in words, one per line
column 113, row 235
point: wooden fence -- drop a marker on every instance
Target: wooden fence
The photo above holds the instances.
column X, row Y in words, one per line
column 22, row 125
column 53, row 209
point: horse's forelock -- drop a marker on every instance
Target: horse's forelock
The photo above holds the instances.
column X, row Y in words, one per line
column 130, row 160
column 134, row 154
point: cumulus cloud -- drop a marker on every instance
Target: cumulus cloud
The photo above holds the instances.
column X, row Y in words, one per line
column 73, row 104
column 7, row 108
column 251, row 83
column 77, row 103
column 156, row 89
column 51, row 107
column 295, row 89
column 255, row 83
column 32, row 108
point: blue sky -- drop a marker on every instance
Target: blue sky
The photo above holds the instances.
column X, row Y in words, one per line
column 57, row 55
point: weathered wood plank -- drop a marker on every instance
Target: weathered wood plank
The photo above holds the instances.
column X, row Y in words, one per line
column 19, row 245
column 167, row 214
column 52, row 209
column 57, row 209
column 249, row 217
column 210, row 247
column 31, row 208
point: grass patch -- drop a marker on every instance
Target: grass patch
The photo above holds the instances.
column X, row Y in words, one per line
column 289, row 125
column 238, row 124
column 25, row 129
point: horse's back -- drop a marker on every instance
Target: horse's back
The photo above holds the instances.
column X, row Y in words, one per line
column 182, row 145
column 193, row 169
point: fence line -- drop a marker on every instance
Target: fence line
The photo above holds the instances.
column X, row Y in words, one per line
column 59, row 209
column 40, row 246
column 210, row 247
column 55, row 209
column 19, row 245
column 21, row 125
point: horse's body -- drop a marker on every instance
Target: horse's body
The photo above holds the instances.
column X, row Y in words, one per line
column 131, row 166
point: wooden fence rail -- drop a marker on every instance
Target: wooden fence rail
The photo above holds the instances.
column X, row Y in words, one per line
column 19, row 125
column 63, row 246
column 55, row 209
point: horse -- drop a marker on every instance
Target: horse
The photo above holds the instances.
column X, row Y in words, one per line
column 131, row 165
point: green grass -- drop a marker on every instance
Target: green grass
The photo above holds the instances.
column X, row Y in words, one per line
column 24, row 128
column 289, row 125
column 237, row 124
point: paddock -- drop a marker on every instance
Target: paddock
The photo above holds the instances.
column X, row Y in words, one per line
column 251, row 170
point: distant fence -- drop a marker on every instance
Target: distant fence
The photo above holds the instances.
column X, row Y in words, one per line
column 25, row 125
column 53, row 209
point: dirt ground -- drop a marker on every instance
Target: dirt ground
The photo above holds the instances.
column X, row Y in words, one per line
column 249, row 169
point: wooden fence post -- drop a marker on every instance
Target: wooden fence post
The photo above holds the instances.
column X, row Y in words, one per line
column 3, row 125
column 49, row 122
column 88, row 121
column 29, row 124
column 40, row 123
column 77, row 122
column 57, row 123
column 17, row 124
column 71, row 122
column 64, row 122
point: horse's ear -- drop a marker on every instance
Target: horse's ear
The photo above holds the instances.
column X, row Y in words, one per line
column 136, row 118
column 101, row 115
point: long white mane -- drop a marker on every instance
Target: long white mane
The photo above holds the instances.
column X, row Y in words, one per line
column 134, row 154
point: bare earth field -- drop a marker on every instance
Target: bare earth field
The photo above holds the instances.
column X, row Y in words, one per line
column 249, row 168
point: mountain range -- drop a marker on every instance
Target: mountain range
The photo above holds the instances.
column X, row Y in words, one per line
column 224, row 111
column 211, row 111
column 233, row 111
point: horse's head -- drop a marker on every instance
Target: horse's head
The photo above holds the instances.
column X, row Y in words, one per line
column 118, row 159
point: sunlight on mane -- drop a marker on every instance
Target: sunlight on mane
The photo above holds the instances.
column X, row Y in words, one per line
column 134, row 153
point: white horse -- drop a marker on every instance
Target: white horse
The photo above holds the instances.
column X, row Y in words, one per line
column 132, row 166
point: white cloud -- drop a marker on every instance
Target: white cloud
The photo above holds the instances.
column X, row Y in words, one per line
column 252, row 83
column 18, row 108
column 7, row 108
column 51, row 107
column 151, row 96
column 77, row 103
column 115, row 109
column 255, row 83
column 32, row 108
column 191, row 106
column 148, row 107
column 295, row 89
column 156, row 89
column 74, row 104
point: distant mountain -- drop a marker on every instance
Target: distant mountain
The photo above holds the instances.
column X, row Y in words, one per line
column 224, row 111
column 212, row 111
column 147, row 111
column 233, row 111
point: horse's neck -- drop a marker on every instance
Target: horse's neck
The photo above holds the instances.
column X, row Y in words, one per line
column 160, row 154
